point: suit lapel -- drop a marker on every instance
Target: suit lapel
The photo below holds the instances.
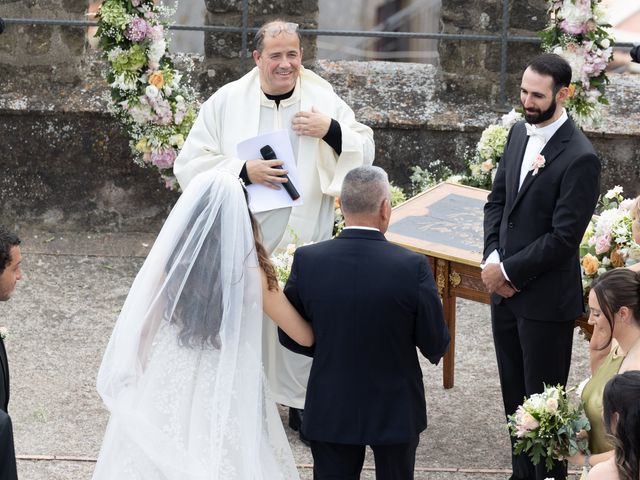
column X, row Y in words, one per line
column 554, row 147
column 4, row 365
column 520, row 146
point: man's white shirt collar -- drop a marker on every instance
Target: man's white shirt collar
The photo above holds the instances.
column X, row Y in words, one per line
column 356, row 227
column 549, row 131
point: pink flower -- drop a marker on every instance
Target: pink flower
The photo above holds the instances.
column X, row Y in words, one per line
column 574, row 29
column 137, row 30
column 163, row 158
column 537, row 164
column 603, row 244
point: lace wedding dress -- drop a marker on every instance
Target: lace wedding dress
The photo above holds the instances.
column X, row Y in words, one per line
column 182, row 375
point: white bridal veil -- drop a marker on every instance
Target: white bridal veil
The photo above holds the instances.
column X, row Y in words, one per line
column 182, row 374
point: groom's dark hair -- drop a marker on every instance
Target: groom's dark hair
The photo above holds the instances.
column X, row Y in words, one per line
column 363, row 190
column 553, row 66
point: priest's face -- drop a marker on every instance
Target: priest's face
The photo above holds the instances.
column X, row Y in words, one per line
column 279, row 60
column 11, row 274
column 538, row 98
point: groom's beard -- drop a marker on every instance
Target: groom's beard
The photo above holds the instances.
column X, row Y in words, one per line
column 537, row 116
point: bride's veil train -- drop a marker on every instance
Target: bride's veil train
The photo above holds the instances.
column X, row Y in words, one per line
column 182, row 374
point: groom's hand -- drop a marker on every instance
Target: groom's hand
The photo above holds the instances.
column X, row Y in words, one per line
column 492, row 277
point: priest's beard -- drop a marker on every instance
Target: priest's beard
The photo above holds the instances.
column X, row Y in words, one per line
column 540, row 116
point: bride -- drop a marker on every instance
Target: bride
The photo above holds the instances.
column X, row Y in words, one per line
column 182, row 374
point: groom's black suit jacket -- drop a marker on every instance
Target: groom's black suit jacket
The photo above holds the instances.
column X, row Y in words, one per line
column 370, row 303
column 538, row 229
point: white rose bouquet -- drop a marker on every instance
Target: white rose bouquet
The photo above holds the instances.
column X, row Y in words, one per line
column 282, row 262
column 546, row 424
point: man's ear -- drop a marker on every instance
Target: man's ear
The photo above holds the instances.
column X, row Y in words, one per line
column 562, row 95
column 256, row 56
column 385, row 210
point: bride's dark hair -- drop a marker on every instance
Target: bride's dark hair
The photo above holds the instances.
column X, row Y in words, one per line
column 263, row 259
column 194, row 289
column 196, row 305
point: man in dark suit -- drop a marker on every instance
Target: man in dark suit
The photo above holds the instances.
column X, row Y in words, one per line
column 370, row 303
column 10, row 273
column 543, row 196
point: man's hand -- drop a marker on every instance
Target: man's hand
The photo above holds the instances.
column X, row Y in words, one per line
column 505, row 290
column 311, row 124
column 264, row 173
column 492, row 277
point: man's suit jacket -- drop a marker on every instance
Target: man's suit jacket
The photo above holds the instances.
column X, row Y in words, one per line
column 4, row 378
column 538, row 229
column 370, row 303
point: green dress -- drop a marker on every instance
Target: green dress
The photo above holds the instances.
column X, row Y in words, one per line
column 592, row 398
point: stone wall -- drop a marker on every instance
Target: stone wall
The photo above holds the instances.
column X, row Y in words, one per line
column 471, row 70
column 222, row 50
column 33, row 56
column 67, row 166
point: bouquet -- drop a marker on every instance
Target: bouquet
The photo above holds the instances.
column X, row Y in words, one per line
column 608, row 241
column 282, row 262
column 546, row 424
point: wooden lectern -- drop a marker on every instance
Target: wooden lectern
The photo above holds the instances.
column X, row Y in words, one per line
column 445, row 223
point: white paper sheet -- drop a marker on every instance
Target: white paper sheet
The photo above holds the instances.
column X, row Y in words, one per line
column 263, row 198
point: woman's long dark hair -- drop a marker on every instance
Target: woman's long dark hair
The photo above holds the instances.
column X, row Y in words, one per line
column 622, row 396
column 614, row 289
column 263, row 259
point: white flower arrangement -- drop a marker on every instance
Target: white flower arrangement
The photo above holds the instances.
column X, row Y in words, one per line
column 484, row 161
column 578, row 32
column 546, row 424
column 148, row 96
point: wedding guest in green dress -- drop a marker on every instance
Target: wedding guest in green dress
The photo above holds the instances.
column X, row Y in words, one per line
column 614, row 305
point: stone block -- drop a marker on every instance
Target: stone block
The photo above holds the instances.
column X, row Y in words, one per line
column 75, row 39
column 8, row 43
column 273, row 8
column 38, row 38
column 75, row 6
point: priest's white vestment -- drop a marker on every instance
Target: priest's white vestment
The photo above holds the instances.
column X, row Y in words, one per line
column 239, row 110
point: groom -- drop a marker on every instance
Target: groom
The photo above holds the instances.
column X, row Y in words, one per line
column 542, row 199
column 371, row 303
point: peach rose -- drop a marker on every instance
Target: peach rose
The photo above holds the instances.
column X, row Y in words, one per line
column 616, row 259
column 156, row 79
column 590, row 264
column 486, row 166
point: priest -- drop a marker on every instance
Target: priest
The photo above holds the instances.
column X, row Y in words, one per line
column 327, row 142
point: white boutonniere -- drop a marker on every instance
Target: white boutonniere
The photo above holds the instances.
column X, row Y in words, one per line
column 537, row 164
column 4, row 331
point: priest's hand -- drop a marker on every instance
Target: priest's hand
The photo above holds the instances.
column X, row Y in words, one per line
column 265, row 172
column 492, row 277
column 311, row 124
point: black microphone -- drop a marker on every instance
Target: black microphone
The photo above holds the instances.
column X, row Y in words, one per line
column 268, row 154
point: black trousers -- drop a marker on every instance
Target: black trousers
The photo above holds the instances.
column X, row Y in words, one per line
column 7, row 452
column 336, row 461
column 530, row 353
